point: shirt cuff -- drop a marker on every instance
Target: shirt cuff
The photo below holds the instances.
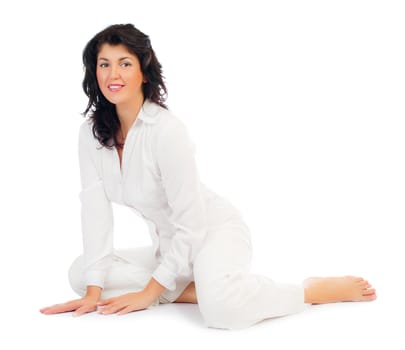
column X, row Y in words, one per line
column 165, row 277
column 94, row 278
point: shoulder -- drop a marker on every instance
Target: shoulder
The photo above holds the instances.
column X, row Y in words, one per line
column 168, row 129
column 86, row 128
column 86, row 136
column 160, row 117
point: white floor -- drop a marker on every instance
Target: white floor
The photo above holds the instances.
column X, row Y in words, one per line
column 375, row 325
column 337, row 326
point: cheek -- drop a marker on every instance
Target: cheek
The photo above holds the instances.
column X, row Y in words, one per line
column 99, row 77
column 102, row 76
column 101, row 80
column 136, row 79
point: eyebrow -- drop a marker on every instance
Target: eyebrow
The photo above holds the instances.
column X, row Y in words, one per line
column 121, row 59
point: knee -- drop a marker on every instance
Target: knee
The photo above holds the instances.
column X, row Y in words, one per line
column 220, row 309
column 75, row 275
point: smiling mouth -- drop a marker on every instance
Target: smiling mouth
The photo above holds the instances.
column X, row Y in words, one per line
column 115, row 87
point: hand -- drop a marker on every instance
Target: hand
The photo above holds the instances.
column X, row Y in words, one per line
column 125, row 303
column 79, row 306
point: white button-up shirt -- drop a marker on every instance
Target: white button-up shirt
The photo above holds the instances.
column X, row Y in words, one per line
column 159, row 180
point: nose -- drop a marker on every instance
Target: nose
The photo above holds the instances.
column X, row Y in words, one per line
column 115, row 72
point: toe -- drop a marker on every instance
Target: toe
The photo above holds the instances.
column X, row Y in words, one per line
column 370, row 291
column 358, row 279
column 364, row 284
column 369, row 297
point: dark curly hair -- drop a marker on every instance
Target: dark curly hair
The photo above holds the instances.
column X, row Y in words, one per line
column 102, row 112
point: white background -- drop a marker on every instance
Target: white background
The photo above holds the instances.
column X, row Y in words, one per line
column 297, row 112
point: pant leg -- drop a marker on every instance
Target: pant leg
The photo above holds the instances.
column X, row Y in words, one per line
column 131, row 270
column 231, row 297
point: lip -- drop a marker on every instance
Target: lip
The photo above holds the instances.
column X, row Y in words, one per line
column 115, row 87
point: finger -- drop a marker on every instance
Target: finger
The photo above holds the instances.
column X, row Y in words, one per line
column 124, row 311
column 56, row 309
column 128, row 309
column 106, row 302
column 44, row 309
column 84, row 309
column 59, row 308
column 111, row 309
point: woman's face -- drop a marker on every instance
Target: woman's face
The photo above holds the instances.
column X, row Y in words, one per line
column 119, row 74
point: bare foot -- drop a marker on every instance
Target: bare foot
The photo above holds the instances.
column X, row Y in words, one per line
column 322, row 290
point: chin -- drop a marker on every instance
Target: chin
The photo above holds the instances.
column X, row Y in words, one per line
column 114, row 101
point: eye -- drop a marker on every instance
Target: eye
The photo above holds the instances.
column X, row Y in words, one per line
column 103, row 65
column 126, row 64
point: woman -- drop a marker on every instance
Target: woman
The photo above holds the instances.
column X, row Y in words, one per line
column 135, row 152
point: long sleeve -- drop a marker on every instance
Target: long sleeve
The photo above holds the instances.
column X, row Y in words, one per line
column 96, row 212
column 180, row 179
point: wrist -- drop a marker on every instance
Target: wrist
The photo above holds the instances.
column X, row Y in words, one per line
column 153, row 290
column 93, row 293
column 148, row 298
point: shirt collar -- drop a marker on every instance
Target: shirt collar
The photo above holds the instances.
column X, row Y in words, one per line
column 149, row 112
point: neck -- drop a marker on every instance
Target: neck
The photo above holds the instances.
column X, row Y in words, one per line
column 128, row 113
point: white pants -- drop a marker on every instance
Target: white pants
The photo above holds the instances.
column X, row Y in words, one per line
column 229, row 296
